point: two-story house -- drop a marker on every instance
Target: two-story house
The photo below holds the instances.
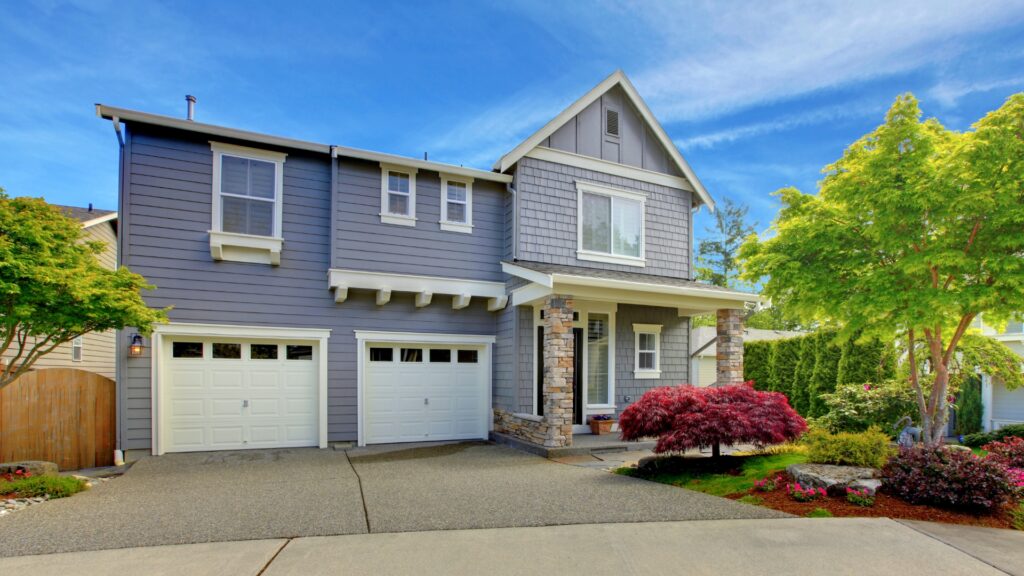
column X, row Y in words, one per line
column 323, row 293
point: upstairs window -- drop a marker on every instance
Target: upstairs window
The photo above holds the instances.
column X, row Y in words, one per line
column 247, row 190
column 456, row 203
column 611, row 225
column 398, row 195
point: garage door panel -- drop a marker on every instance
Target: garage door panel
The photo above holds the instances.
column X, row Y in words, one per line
column 264, row 379
column 226, row 435
column 186, row 409
column 231, row 408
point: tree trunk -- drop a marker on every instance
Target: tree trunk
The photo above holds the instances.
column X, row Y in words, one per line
column 716, row 450
column 939, row 410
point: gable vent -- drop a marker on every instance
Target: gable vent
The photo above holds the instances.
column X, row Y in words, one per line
column 611, row 122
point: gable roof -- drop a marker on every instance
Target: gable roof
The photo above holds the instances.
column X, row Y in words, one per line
column 617, row 78
column 87, row 216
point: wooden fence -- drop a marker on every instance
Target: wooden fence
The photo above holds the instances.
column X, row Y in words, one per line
column 60, row 415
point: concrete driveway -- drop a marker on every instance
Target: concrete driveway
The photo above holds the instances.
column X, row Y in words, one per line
column 249, row 495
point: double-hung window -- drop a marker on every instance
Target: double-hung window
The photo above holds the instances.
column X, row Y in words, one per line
column 610, row 224
column 247, row 201
column 398, row 195
column 456, row 203
column 648, row 351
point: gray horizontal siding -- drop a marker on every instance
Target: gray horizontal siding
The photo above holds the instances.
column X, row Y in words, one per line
column 547, row 219
column 168, row 207
column 423, row 249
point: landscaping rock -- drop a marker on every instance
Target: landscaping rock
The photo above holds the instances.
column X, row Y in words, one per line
column 957, row 448
column 870, row 484
column 832, row 478
column 36, row 467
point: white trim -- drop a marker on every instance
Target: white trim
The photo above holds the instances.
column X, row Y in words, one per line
column 387, row 217
column 646, row 373
column 616, row 78
column 530, row 293
column 986, row 403
column 612, row 194
column 598, row 165
column 364, row 337
column 451, row 226
column 318, row 336
column 527, row 274
column 494, row 292
column 99, row 220
column 125, row 115
column 712, row 293
column 236, row 246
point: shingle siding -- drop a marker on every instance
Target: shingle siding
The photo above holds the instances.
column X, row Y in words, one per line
column 547, row 210
column 675, row 351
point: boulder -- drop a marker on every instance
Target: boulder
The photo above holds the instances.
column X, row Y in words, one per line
column 870, row 484
column 832, row 478
column 36, row 467
column 958, row 448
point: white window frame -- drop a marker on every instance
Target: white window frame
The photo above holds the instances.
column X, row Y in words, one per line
column 386, row 217
column 646, row 373
column 246, row 247
column 613, row 193
column 77, row 347
column 447, row 225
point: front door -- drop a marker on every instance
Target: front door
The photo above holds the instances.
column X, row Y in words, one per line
column 577, row 374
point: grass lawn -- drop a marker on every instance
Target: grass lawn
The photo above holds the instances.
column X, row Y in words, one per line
column 36, row 486
column 732, row 475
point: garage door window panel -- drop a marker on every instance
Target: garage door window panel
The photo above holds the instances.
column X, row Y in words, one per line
column 468, row 357
column 263, row 351
column 227, row 351
column 299, row 352
column 440, row 355
column 382, row 354
column 412, row 355
column 187, row 350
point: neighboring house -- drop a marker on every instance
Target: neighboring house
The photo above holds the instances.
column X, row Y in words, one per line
column 323, row 293
column 1002, row 406
column 705, row 352
column 94, row 352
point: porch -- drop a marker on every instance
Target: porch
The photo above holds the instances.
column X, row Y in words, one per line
column 600, row 339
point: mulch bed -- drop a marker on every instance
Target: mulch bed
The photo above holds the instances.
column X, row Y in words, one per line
column 885, row 506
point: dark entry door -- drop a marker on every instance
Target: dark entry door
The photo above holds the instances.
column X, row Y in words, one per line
column 577, row 376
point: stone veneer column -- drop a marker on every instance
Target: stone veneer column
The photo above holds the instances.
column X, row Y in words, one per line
column 729, row 345
column 559, row 358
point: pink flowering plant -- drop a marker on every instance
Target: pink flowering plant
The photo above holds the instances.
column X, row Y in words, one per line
column 859, row 497
column 768, row 484
column 1017, row 480
column 1009, row 452
column 802, row 494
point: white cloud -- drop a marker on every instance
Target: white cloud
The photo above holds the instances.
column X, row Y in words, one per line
column 948, row 93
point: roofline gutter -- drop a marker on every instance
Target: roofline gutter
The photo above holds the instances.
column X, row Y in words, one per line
column 123, row 114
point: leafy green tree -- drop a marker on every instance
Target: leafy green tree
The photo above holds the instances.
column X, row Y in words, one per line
column 914, row 231
column 53, row 289
column 716, row 255
column 826, row 371
column 757, row 362
column 771, row 318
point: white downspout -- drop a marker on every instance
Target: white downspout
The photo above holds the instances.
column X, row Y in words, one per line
column 986, row 403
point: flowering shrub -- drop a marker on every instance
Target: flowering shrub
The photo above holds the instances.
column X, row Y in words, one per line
column 18, row 474
column 859, row 497
column 1009, row 452
column 768, row 484
column 870, row 448
column 935, row 475
column 684, row 417
column 1017, row 479
column 808, row 494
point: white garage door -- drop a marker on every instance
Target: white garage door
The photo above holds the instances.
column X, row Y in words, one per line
column 226, row 394
column 424, row 392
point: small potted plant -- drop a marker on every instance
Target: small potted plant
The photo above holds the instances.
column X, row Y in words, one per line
column 601, row 424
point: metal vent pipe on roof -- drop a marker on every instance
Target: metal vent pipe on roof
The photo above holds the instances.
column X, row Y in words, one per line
column 191, row 106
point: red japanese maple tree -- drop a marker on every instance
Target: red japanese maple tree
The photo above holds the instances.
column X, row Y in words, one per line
column 685, row 416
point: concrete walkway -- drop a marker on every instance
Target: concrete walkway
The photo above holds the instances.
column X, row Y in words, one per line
column 269, row 494
column 794, row 547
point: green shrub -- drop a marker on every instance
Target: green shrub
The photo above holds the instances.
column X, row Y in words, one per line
column 37, row 486
column 872, row 361
column 819, row 513
column 756, row 362
column 785, row 355
column 857, row 407
column 825, row 372
column 1017, row 517
column 870, row 448
column 800, row 383
column 969, row 407
column 983, row 438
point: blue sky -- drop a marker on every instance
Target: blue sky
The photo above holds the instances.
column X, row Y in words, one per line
column 757, row 95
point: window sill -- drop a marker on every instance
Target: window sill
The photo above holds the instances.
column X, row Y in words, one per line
column 610, row 258
column 233, row 247
column 595, row 409
column 457, row 227
column 397, row 219
column 646, row 374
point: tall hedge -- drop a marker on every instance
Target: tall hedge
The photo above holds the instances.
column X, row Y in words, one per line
column 871, row 361
column 786, row 354
column 756, row 360
column 969, row 407
column 800, row 383
column 825, row 372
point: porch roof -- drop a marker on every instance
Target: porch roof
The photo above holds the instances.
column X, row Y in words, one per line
column 689, row 296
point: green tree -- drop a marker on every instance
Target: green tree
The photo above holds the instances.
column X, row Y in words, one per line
column 969, row 408
column 52, row 287
column 716, row 255
column 826, row 371
column 861, row 362
column 785, row 355
column 757, row 362
column 914, row 231
column 800, row 386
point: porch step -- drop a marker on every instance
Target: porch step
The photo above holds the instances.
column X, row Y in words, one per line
column 582, row 444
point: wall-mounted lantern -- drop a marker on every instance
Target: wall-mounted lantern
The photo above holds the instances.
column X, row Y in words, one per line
column 135, row 348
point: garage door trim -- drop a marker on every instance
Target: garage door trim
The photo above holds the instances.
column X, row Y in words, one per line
column 317, row 336
column 365, row 336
